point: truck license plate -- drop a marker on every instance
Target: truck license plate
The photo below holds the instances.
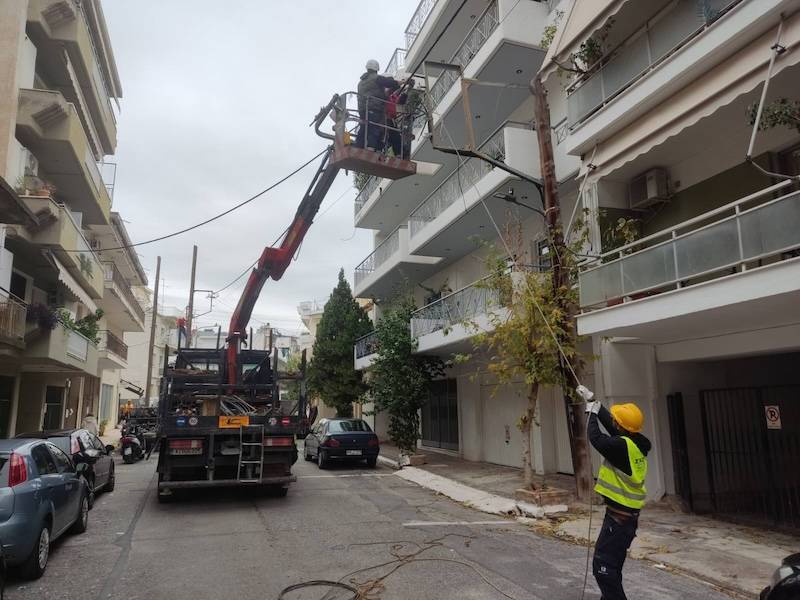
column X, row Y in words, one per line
column 353, row 452
column 186, row 451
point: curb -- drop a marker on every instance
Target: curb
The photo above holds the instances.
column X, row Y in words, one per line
column 389, row 462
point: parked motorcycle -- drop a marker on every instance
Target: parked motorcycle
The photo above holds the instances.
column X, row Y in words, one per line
column 785, row 583
column 131, row 445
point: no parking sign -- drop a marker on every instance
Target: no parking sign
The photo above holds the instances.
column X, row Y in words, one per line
column 773, row 414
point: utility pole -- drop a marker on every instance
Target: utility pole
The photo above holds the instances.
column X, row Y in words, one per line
column 151, row 345
column 576, row 417
column 190, row 310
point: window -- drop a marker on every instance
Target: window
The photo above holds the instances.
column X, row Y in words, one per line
column 19, row 285
column 44, row 462
column 345, row 426
column 86, row 439
column 63, row 462
column 544, row 260
column 98, row 443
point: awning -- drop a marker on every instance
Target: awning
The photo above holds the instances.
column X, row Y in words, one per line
column 66, row 278
column 742, row 72
column 580, row 21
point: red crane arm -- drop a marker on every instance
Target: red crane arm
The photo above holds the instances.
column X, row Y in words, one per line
column 275, row 260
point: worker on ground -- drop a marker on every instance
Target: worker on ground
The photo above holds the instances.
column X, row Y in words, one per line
column 621, row 483
column 372, row 106
column 397, row 119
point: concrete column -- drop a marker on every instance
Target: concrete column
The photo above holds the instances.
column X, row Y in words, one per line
column 14, row 409
column 13, row 15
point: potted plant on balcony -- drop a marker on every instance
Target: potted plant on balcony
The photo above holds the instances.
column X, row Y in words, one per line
column 42, row 317
column 88, row 326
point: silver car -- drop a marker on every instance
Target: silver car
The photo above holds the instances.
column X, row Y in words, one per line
column 42, row 496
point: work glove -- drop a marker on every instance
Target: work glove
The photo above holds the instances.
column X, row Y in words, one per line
column 593, row 407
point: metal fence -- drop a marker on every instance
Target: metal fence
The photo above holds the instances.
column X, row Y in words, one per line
column 367, row 344
column 418, row 19
column 365, row 192
column 458, row 307
column 385, row 250
column 113, row 275
column 658, row 38
column 12, row 318
column 462, row 179
column 713, row 244
column 111, row 343
column 397, row 62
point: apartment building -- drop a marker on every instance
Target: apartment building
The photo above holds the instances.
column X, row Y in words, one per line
column 63, row 255
column 430, row 228
column 697, row 320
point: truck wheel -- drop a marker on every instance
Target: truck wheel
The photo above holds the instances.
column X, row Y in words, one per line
column 322, row 462
column 278, row 491
column 165, row 498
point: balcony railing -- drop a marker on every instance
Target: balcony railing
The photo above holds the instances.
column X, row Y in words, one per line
column 385, row 250
column 418, row 20
column 397, row 62
column 111, row 343
column 113, row 275
column 656, row 40
column 474, row 41
column 458, row 307
column 102, row 87
column 12, row 318
column 367, row 344
column 365, row 192
column 714, row 244
column 77, row 345
column 462, row 179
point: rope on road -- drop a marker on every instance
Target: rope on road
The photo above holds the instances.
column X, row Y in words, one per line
column 321, row 583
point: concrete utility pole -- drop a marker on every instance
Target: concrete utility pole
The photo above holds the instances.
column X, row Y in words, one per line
column 151, row 345
column 190, row 310
column 576, row 417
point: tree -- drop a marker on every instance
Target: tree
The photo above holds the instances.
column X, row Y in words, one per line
column 780, row 112
column 399, row 378
column 332, row 373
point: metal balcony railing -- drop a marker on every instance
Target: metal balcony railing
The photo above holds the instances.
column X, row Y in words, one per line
column 111, row 343
column 418, row 20
column 476, row 38
column 397, row 62
column 462, row 179
column 367, row 344
column 383, row 252
column 711, row 245
column 660, row 36
column 12, row 318
column 365, row 192
column 113, row 275
column 458, row 307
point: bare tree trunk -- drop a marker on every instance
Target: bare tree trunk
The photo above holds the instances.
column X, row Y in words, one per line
column 525, row 429
column 576, row 418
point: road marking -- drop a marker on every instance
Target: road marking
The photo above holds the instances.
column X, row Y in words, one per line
column 346, row 475
column 450, row 523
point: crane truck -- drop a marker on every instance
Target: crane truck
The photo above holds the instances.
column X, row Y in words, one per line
column 221, row 419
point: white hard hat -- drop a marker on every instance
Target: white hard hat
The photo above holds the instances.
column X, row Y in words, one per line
column 372, row 65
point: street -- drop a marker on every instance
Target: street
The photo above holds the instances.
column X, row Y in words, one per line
column 227, row 544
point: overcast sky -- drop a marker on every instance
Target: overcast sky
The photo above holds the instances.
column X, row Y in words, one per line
column 217, row 98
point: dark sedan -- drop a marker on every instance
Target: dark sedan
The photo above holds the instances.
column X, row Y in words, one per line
column 341, row 439
column 84, row 447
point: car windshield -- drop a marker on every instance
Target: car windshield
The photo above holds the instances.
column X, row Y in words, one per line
column 62, row 443
column 345, row 426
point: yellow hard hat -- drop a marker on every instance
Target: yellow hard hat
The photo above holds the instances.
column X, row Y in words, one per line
column 629, row 416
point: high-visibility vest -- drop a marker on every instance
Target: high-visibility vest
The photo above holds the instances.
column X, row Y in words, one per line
column 624, row 489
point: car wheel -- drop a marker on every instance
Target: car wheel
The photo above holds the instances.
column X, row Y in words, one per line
column 82, row 523
column 322, row 462
column 112, row 480
column 36, row 563
column 372, row 462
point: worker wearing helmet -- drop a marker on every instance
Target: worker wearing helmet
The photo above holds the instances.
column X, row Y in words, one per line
column 621, row 483
column 372, row 102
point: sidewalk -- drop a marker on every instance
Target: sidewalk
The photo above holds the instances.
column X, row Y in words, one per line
column 736, row 558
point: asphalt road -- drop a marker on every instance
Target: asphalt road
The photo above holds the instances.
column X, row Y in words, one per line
column 230, row 545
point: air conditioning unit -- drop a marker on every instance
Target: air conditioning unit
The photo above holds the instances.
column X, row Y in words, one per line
column 651, row 187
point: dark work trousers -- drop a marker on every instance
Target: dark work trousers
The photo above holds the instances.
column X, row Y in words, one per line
column 376, row 130
column 610, row 551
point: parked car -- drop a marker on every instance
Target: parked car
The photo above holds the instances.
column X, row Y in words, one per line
column 341, row 439
column 43, row 495
column 84, row 447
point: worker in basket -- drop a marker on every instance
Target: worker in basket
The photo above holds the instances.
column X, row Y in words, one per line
column 621, row 483
column 372, row 101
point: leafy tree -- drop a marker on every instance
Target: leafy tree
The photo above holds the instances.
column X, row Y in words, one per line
column 399, row 378
column 331, row 373
column 780, row 112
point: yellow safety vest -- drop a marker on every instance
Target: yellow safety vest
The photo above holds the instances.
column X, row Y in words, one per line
column 627, row 490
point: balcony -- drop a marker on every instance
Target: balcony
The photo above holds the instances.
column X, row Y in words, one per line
column 452, row 220
column 389, row 266
column 50, row 127
column 364, row 350
column 119, row 303
column 112, row 352
column 61, row 233
column 450, row 323
column 397, row 62
column 678, row 45
column 418, row 20
column 734, row 267
column 59, row 25
column 61, row 349
column 12, row 325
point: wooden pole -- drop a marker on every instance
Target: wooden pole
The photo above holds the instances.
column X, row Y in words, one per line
column 151, row 345
column 576, row 417
column 190, row 309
